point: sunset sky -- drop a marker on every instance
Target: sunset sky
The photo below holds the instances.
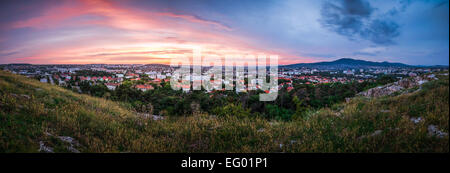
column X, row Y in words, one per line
column 142, row 32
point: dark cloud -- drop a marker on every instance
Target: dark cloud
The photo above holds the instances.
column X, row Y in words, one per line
column 380, row 31
column 345, row 18
column 354, row 19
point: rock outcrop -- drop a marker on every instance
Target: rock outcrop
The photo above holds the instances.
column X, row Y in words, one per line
column 403, row 84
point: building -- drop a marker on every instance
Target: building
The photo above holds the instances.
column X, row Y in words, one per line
column 145, row 87
column 44, row 80
column 112, row 86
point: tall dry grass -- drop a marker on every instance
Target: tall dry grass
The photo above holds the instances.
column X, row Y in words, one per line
column 31, row 110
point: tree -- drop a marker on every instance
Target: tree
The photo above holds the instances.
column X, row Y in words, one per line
column 300, row 109
column 232, row 109
column 273, row 111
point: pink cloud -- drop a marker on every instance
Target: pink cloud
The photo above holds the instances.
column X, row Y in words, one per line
column 140, row 31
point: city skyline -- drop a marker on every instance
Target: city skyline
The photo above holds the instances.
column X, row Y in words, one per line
column 145, row 32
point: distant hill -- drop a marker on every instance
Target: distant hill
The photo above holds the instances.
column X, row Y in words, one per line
column 347, row 63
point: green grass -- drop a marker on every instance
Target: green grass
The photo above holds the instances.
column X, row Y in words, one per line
column 29, row 109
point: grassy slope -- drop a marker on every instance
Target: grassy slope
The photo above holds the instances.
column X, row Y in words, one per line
column 104, row 126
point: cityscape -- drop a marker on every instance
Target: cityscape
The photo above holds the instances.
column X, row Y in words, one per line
column 218, row 84
column 147, row 77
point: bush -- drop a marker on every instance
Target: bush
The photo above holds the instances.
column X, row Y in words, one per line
column 232, row 110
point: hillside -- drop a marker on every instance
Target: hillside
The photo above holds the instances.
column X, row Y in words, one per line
column 347, row 63
column 38, row 117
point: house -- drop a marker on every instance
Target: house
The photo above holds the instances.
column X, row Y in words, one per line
column 82, row 78
column 61, row 82
column 145, row 87
column 156, row 81
column 289, row 89
column 186, row 88
column 160, row 76
column 44, row 80
column 112, row 86
column 131, row 75
column 411, row 74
